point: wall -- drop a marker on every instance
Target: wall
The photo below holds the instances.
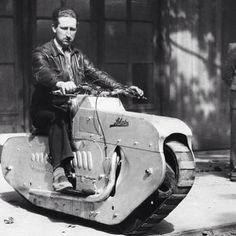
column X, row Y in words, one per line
column 187, row 44
column 11, row 93
column 195, row 92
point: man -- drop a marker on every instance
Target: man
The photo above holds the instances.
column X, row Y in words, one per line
column 229, row 75
column 58, row 65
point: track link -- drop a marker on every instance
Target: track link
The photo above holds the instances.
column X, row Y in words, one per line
column 162, row 211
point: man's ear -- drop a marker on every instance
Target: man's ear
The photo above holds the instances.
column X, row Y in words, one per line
column 53, row 28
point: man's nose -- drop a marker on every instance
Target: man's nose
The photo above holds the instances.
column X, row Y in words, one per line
column 68, row 33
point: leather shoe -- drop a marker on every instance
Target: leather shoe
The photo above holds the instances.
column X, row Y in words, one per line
column 60, row 181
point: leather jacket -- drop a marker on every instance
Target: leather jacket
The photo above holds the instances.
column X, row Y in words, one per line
column 48, row 64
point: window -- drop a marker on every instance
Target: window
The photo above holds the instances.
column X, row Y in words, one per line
column 128, row 47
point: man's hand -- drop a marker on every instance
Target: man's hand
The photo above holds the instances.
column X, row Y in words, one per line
column 137, row 90
column 66, row 87
column 104, row 94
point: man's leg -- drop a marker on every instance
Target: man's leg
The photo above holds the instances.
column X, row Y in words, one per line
column 56, row 121
column 59, row 143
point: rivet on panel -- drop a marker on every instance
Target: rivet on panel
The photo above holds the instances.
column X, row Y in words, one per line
column 91, row 213
column 149, row 171
column 96, row 213
column 98, row 191
column 8, row 168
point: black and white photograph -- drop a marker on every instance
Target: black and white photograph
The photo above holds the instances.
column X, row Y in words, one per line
column 118, row 117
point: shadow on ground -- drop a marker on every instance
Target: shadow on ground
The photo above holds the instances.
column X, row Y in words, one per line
column 17, row 200
column 163, row 227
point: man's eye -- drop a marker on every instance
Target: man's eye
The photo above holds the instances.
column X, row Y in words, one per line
column 64, row 28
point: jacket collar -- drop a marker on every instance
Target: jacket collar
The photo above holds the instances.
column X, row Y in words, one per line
column 55, row 50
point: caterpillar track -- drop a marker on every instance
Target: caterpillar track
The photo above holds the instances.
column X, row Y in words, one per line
column 174, row 189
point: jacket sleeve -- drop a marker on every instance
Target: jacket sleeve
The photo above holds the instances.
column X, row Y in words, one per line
column 99, row 77
column 42, row 72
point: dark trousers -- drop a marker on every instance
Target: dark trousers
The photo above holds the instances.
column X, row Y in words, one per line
column 233, row 135
column 56, row 123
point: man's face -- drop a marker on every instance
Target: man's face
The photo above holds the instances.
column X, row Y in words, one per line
column 65, row 30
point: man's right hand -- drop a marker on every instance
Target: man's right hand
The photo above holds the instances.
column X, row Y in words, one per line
column 66, row 87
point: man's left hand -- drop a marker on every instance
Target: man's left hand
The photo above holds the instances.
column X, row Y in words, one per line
column 137, row 90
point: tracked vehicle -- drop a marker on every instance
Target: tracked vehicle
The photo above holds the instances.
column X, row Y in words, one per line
column 130, row 170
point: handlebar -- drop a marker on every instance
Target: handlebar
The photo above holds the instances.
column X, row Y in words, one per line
column 98, row 91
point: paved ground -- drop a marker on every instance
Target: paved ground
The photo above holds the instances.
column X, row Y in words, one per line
column 209, row 209
column 211, row 202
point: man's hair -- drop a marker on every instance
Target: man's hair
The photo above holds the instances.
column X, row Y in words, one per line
column 63, row 11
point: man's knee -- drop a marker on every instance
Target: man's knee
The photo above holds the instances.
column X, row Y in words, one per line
column 43, row 120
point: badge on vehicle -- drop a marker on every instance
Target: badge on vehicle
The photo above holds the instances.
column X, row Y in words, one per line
column 120, row 123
